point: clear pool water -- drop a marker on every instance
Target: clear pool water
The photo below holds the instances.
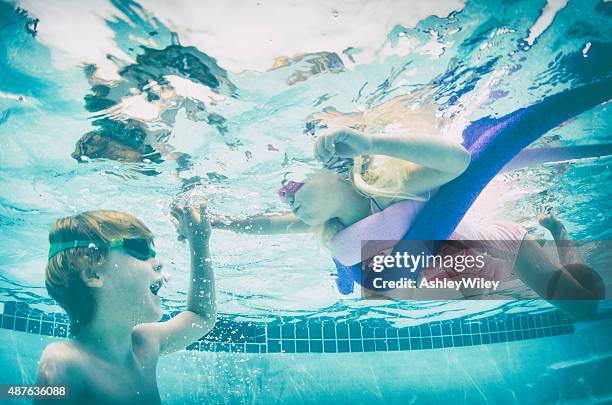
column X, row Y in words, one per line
column 229, row 133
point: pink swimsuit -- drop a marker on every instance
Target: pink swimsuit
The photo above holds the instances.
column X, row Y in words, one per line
column 499, row 241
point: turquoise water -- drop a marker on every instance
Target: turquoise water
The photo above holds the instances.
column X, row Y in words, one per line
column 229, row 132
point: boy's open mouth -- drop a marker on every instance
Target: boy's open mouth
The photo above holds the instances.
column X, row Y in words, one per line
column 156, row 286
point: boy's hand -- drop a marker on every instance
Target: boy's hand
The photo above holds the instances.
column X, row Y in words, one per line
column 191, row 222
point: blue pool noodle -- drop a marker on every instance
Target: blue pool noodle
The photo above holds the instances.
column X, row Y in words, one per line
column 493, row 143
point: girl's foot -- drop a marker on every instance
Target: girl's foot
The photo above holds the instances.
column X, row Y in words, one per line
column 549, row 220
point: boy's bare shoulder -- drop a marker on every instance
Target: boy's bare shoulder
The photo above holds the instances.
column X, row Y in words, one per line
column 60, row 361
column 61, row 350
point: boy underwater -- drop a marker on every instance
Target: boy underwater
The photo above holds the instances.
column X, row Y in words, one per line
column 102, row 270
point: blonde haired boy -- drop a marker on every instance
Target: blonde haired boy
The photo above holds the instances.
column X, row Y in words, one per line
column 102, row 270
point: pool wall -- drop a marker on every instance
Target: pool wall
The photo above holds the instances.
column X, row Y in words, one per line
column 561, row 369
column 528, row 358
column 326, row 334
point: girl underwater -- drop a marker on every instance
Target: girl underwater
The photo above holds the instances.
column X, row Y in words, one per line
column 393, row 173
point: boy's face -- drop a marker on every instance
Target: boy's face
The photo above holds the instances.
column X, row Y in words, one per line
column 130, row 286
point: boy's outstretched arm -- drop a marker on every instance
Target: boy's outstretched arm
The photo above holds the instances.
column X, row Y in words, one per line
column 201, row 313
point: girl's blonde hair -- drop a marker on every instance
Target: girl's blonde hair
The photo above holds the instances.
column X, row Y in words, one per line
column 63, row 272
column 374, row 176
column 378, row 175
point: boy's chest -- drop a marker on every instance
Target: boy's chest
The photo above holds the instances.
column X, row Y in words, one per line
column 111, row 383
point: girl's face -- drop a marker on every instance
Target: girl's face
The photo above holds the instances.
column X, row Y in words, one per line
column 132, row 286
column 319, row 199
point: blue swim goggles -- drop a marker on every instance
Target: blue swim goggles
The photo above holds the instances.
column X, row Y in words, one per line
column 140, row 248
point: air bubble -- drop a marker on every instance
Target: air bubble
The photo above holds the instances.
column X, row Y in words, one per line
column 336, row 14
column 585, row 50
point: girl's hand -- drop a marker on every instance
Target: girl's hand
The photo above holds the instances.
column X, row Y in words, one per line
column 221, row 222
column 191, row 222
column 342, row 143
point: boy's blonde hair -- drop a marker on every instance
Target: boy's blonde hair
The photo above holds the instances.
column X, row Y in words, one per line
column 63, row 272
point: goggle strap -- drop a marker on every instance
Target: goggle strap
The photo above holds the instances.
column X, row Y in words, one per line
column 115, row 243
column 61, row 246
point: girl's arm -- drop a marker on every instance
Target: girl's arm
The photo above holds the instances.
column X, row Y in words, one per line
column 436, row 160
column 433, row 152
column 265, row 225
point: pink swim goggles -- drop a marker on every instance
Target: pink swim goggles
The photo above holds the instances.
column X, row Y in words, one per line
column 289, row 187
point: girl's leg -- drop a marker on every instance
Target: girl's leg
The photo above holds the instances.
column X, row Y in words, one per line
column 573, row 287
